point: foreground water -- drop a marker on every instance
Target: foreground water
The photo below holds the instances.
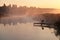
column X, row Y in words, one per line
column 25, row 32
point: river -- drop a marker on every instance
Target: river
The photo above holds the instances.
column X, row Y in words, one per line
column 25, row 31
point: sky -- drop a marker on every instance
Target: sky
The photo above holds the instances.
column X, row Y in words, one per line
column 33, row 3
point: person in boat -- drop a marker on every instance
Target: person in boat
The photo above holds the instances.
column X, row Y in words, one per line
column 42, row 21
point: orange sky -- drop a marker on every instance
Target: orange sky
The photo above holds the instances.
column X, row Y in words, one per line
column 34, row 3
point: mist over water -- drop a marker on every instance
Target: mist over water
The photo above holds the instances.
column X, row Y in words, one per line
column 16, row 23
column 24, row 31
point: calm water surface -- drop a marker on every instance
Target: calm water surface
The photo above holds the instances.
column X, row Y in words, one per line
column 25, row 32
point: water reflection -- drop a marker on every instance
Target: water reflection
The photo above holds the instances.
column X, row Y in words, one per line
column 23, row 31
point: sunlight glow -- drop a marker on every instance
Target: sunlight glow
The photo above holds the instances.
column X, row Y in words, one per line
column 34, row 3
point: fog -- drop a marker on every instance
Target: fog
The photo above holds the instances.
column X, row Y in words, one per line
column 16, row 23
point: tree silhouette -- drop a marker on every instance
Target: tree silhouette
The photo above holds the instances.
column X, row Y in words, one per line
column 3, row 10
column 57, row 27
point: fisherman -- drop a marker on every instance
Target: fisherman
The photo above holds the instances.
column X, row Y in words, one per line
column 42, row 22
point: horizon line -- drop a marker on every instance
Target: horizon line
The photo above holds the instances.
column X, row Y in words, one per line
column 29, row 6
